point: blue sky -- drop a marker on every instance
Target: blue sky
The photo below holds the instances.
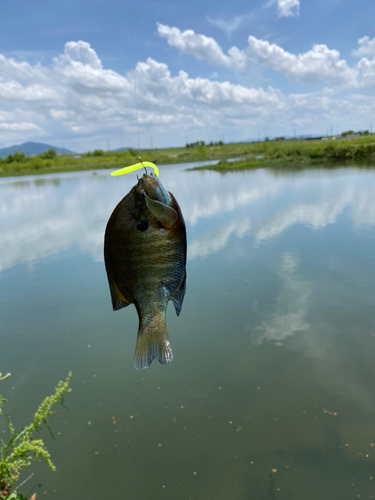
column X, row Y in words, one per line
column 204, row 70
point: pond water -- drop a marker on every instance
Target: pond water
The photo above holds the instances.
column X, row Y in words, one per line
column 276, row 335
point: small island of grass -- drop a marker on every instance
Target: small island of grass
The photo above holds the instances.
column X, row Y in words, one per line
column 301, row 152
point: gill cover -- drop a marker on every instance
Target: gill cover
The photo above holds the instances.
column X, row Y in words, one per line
column 164, row 213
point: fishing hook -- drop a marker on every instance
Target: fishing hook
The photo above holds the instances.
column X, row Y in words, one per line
column 140, row 159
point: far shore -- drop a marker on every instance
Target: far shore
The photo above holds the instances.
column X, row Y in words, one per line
column 230, row 166
column 278, row 153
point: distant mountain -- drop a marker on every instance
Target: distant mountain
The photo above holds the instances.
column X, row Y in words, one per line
column 32, row 148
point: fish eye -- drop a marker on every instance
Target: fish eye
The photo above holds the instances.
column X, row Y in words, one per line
column 141, row 195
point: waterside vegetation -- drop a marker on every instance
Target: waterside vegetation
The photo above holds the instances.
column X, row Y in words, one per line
column 277, row 152
column 21, row 449
column 295, row 152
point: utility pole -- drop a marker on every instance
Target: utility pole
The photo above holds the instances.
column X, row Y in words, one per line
column 152, row 146
column 258, row 136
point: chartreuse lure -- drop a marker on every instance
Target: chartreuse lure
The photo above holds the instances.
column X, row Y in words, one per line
column 136, row 166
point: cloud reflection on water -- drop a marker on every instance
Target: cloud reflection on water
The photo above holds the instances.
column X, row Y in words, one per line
column 41, row 216
column 323, row 210
column 294, row 322
column 216, row 240
column 288, row 315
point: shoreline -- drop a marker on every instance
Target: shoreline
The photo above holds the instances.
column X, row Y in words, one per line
column 56, row 168
column 285, row 164
column 246, row 155
column 220, row 167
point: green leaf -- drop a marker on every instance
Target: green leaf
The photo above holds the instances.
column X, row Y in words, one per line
column 49, row 428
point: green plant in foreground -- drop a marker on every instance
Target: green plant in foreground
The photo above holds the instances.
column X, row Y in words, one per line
column 21, row 448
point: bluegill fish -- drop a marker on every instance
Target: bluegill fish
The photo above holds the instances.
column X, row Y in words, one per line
column 145, row 259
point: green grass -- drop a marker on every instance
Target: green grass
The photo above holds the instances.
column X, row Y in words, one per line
column 38, row 165
column 20, row 449
column 237, row 165
column 275, row 153
column 299, row 153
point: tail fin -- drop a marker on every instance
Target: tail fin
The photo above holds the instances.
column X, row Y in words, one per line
column 152, row 342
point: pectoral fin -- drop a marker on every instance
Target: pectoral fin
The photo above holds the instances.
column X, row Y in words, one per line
column 164, row 213
column 179, row 294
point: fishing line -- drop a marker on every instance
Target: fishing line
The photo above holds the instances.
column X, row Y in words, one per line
column 141, row 164
column 136, row 114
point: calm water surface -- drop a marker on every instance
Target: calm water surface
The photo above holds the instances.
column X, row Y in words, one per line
column 277, row 330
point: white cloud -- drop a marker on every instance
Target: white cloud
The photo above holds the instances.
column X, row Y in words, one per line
column 15, row 91
column 59, row 114
column 77, row 94
column 20, row 126
column 367, row 47
column 21, row 71
column 79, row 54
column 229, row 26
column 367, row 69
column 320, row 64
column 288, row 8
column 202, row 47
column 82, row 71
column 79, row 98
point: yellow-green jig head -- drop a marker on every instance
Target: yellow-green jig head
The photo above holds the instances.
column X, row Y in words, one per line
column 136, row 166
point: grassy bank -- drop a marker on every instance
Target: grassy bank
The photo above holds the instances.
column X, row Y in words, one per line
column 41, row 165
column 252, row 154
column 300, row 152
column 19, row 164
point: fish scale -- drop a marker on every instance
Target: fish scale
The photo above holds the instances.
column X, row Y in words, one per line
column 145, row 258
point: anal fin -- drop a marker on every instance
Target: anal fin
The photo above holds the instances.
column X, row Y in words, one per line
column 179, row 294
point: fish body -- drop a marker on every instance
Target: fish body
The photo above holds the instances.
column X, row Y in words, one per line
column 145, row 259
